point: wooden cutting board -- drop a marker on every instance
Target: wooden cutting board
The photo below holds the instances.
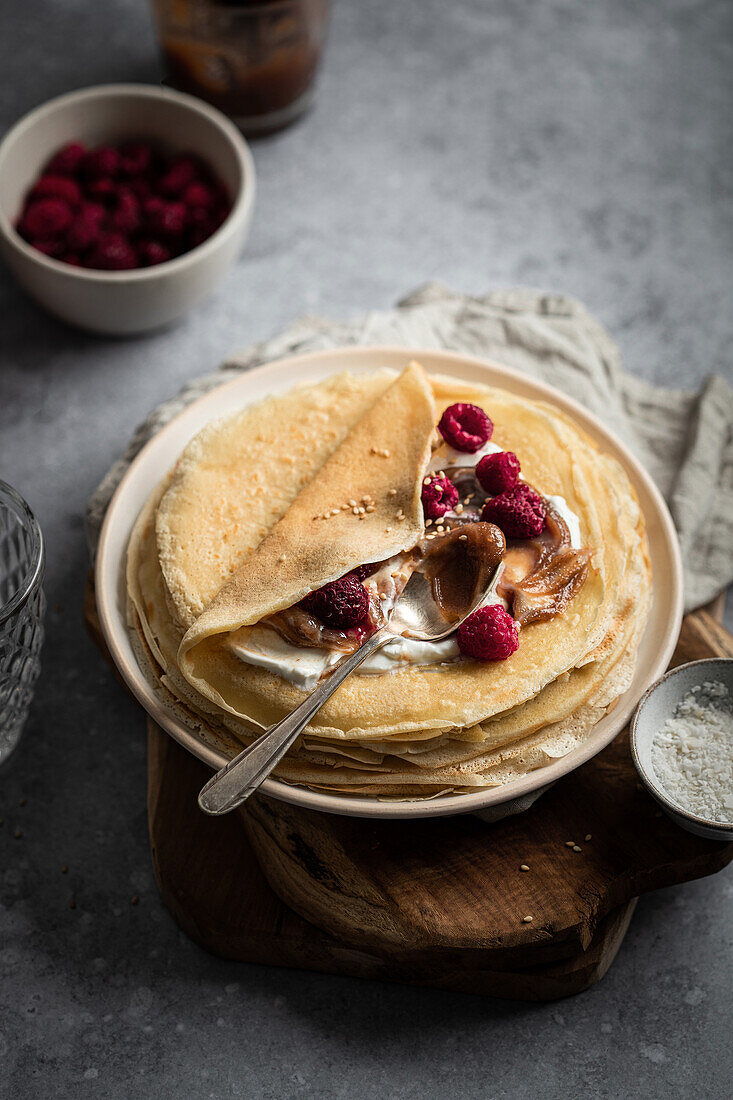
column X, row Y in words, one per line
column 438, row 902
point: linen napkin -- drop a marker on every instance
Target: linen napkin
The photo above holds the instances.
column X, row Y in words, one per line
column 683, row 439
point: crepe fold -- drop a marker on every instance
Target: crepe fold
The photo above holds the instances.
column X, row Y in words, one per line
column 231, row 535
column 327, row 530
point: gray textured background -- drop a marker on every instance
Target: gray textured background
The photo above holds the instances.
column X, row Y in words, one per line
column 576, row 147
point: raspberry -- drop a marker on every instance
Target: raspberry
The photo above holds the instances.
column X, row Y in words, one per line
column 104, row 189
column 465, row 427
column 48, row 247
column 439, row 495
column 71, row 258
column 167, row 219
column 198, row 194
column 113, row 253
column 488, row 634
column 363, row 571
column 498, row 472
column 181, row 172
column 83, row 233
column 139, row 186
column 342, row 604
column 520, row 512
column 104, row 162
column 67, row 161
column 45, row 218
column 136, row 158
column 197, row 235
column 126, row 216
column 56, row 187
column 152, row 252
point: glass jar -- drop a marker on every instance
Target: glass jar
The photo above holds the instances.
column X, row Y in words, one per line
column 256, row 61
column 22, row 606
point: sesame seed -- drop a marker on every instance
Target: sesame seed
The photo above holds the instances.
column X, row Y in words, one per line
column 576, row 848
column 391, row 492
column 428, row 523
column 569, row 843
column 370, row 508
column 355, row 511
column 523, row 867
column 400, row 518
column 388, row 529
column 463, row 538
column 588, row 836
column 426, row 480
column 352, row 504
column 361, row 510
column 459, row 509
column 527, row 919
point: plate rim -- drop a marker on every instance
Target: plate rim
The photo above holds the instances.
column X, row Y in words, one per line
column 304, row 366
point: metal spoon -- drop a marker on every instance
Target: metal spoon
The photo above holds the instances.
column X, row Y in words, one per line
column 416, row 615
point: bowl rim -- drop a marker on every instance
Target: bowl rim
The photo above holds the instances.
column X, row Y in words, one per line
column 345, row 358
column 242, row 203
column 658, row 792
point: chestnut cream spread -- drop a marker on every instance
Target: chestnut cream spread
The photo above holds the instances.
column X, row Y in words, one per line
column 459, row 554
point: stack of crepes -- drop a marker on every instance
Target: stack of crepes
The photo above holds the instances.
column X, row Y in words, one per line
column 251, row 519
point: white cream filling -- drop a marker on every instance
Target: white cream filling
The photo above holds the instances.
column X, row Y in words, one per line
column 445, row 456
column 304, row 666
column 301, row 665
column 572, row 522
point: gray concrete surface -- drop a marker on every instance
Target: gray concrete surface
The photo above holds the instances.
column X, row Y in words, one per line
column 578, row 147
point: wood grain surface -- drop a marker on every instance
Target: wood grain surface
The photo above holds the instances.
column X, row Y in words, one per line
column 438, row 902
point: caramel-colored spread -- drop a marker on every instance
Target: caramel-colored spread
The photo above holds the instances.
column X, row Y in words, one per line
column 539, row 579
column 541, row 575
column 460, row 566
column 299, row 627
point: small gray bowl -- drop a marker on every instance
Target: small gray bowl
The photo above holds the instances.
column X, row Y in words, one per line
column 654, row 708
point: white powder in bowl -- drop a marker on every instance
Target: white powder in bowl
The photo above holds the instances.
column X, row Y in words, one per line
column 692, row 754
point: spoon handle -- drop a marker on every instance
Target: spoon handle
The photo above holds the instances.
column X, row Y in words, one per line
column 231, row 786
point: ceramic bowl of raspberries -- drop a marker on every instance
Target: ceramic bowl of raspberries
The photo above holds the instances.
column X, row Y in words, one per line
column 122, row 206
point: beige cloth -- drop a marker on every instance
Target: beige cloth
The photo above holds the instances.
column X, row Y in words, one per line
column 684, row 439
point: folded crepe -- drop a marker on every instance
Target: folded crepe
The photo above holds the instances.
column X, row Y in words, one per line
column 236, row 532
column 383, row 458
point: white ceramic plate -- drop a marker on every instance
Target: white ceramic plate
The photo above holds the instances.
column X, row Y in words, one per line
column 161, row 452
